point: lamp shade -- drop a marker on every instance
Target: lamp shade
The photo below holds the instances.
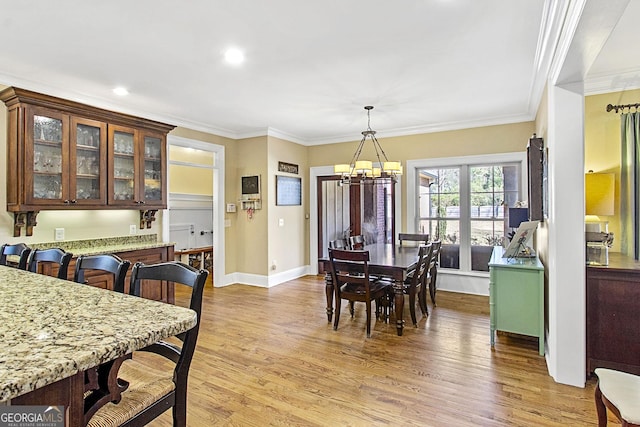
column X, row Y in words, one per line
column 518, row 215
column 599, row 193
column 341, row 169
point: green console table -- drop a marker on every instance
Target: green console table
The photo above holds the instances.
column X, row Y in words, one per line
column 516, row 296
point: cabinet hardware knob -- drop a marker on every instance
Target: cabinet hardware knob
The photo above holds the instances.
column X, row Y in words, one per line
column 66, row 201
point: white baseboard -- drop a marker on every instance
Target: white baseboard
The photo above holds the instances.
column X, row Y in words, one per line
column 463, row 283
column 265, row 281
column 454, row 282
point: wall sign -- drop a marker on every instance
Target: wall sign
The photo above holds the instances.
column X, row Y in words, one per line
column 287, row 167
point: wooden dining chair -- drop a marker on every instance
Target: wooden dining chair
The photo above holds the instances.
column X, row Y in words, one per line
column 19, row 250
column 102, row 263
column 413, row 239
column 433, row 270
column 351, row 282
column 356, row 242
column 151, row 393
column 620, row 392
column 50, row 262
column 339, row 244
column 415, row 285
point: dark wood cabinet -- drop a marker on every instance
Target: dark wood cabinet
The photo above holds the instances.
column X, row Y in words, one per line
column 613, row 315
column 138, row 168
column 65, row 161
column 66, row 155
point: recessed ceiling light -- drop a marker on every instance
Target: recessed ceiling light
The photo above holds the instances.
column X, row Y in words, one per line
column 120, row 91
column 234, row 56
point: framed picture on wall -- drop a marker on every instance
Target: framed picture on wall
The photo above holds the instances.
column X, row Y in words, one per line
column 288, row 191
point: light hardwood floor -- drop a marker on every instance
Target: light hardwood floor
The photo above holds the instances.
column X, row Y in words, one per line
column 269, row 357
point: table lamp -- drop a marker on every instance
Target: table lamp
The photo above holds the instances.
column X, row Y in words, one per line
column 599, row 201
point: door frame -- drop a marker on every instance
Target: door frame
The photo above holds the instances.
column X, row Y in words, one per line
column 219, row 278
column 314, row 173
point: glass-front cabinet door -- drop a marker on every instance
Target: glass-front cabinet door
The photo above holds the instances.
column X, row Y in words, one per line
column 154, row 168
column 88, row 162
column 47, row 158
column 123, row 150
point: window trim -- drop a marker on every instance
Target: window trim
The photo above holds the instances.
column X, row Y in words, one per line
column 412, row 214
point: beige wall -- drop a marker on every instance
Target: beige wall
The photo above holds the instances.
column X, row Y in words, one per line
column 289, row 243
column 465, row 142
column 251, row 233
column 602, row 152
column 190, row 179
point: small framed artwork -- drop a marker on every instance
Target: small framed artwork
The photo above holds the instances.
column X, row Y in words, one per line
column 288, row 191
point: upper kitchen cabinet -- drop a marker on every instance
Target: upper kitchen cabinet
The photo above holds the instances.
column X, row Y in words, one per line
column 65, row 163
column 137, row 163
column 66, row 155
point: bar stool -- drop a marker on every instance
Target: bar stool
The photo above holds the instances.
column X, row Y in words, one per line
column 104, row 262
column 20, row 250
column 49, row 259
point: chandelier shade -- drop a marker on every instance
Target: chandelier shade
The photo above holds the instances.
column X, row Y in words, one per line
column 360, row 170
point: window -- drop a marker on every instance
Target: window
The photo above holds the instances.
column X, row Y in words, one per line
column 463, row 205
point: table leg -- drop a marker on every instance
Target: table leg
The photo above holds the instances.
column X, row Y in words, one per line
column 399, row 302
column 329, row 292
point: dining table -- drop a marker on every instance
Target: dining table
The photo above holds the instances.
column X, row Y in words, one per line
column 57, row 334
column 388, row 261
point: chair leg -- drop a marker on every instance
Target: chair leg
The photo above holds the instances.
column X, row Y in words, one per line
column 600, row 408
column 432, row 286
column 336, row 314
column 412, row 307
column 180, row 407
column 351, row 308
column 368, row 319
column 422, row 299
column 390, row 298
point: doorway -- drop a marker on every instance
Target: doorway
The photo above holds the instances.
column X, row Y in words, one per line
column 366, row 209
column 195, row 214
column 315, row 173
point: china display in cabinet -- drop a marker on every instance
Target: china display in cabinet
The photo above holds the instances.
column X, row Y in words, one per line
column 66, row 155
column 137, row 164
column 65, row 165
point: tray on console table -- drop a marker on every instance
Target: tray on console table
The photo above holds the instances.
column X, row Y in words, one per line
column 613, row 315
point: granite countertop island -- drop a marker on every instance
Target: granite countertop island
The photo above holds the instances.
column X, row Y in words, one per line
column 51, row 329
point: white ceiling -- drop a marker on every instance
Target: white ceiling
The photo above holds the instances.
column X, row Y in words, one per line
column 310, row 67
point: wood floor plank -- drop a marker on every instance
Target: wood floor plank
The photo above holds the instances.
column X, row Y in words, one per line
column 269, row 357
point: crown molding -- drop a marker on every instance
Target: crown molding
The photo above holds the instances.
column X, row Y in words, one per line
column 433, row 128
column 619, row 82
column 554, row 14
column 107, row 104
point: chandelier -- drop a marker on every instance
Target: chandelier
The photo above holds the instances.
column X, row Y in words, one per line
column 361, row 170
